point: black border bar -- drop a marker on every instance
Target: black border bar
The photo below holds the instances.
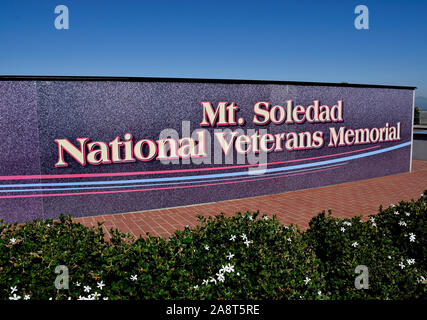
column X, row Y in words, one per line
column 195, row 80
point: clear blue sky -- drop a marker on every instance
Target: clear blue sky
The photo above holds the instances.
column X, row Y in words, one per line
column 272, row 40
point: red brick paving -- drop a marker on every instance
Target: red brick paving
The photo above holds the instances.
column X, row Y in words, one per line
column 297, row 207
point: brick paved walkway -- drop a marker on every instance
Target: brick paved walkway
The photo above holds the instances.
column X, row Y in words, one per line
column 298, row 207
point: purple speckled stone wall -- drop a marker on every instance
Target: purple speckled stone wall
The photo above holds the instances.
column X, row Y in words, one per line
column 34, row 113
column 19, row 147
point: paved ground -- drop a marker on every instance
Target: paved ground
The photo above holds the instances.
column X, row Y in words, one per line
column 298, row 207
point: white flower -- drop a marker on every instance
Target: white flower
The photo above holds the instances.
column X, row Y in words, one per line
column 196, row 287
column 26, row 297
column 265, row 218
column 105, row 298
column 69, row 298
column 410, row 261
column 12, row 241
column 206, row 247
column 244, row 237
column 401, row 265
column 372, row 219
column 96, row 295
column 100, row 285
column 50, row 298
column 355, row 244
column 229, row 268
column 342, row 229
column 319, row 293
column 389, row 257
column 87, row 288
column 78, row 284
column 238, row 273
column 233, row 237
column 289, row 239
column 407, row 214
column 222, row 270
column 374, row 224
column 134, row 277
column 392, row 205
column 402, row 223
column 48, row 225
column 396, row 213
column 307, row 280
column 15, row 297
column 13, row 289
column 221, row 277
column 347, row 223
column 412, row 237
column 421, row 279
column 247, row 242
column 230, row 256
column 205, row 282
column 212, row 280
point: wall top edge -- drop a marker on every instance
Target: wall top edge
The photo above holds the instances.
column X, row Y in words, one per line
column 196, row 80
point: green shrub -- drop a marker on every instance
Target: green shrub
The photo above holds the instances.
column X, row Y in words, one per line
column 273, row 263
column 240, row 257
column 270, row 261
column 29, row 254
column 406, row 223
column 344, row 244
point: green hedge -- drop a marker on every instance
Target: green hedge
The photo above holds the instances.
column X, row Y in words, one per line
column 246, row 256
